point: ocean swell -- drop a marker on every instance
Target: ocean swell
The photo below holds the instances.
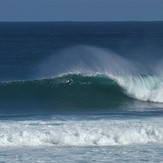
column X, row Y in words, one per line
column 80, row 92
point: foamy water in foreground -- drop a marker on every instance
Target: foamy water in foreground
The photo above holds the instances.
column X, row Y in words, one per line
column 82, row 139
column 82, row 132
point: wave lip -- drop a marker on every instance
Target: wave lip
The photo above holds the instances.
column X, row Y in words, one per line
column 142, row 87
column 81, row 132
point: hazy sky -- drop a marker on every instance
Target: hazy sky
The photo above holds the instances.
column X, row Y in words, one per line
column 80, row 10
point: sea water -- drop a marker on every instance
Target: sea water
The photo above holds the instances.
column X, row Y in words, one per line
column 81, row 92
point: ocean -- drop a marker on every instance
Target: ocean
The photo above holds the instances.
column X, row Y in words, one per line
column 81, row 92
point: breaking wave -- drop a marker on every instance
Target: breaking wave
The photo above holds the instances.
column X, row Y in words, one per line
column 82, row 91
column 84, row 77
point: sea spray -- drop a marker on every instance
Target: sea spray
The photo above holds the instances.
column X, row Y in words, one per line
column 86, row 60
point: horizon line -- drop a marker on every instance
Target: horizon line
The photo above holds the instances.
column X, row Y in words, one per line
column 76, row 21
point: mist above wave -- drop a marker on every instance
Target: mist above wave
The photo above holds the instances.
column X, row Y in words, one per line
column 143, row 82
column 85, row 60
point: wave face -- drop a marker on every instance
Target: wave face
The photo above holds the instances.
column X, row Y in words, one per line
column 76, row 92
column 72, row 132
column 69, row 91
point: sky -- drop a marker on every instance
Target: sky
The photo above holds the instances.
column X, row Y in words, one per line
column 81, row 10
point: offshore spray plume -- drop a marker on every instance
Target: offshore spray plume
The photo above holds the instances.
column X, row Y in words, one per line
column 86, row 60
column 135, row 79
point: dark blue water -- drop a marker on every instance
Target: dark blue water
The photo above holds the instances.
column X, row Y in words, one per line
column 25, row 45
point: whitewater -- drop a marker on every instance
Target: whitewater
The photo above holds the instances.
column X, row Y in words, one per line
column 95, row 131
column 92, row 138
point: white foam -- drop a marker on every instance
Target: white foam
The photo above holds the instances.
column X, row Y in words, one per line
column 146, row 88
column 104, row 132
